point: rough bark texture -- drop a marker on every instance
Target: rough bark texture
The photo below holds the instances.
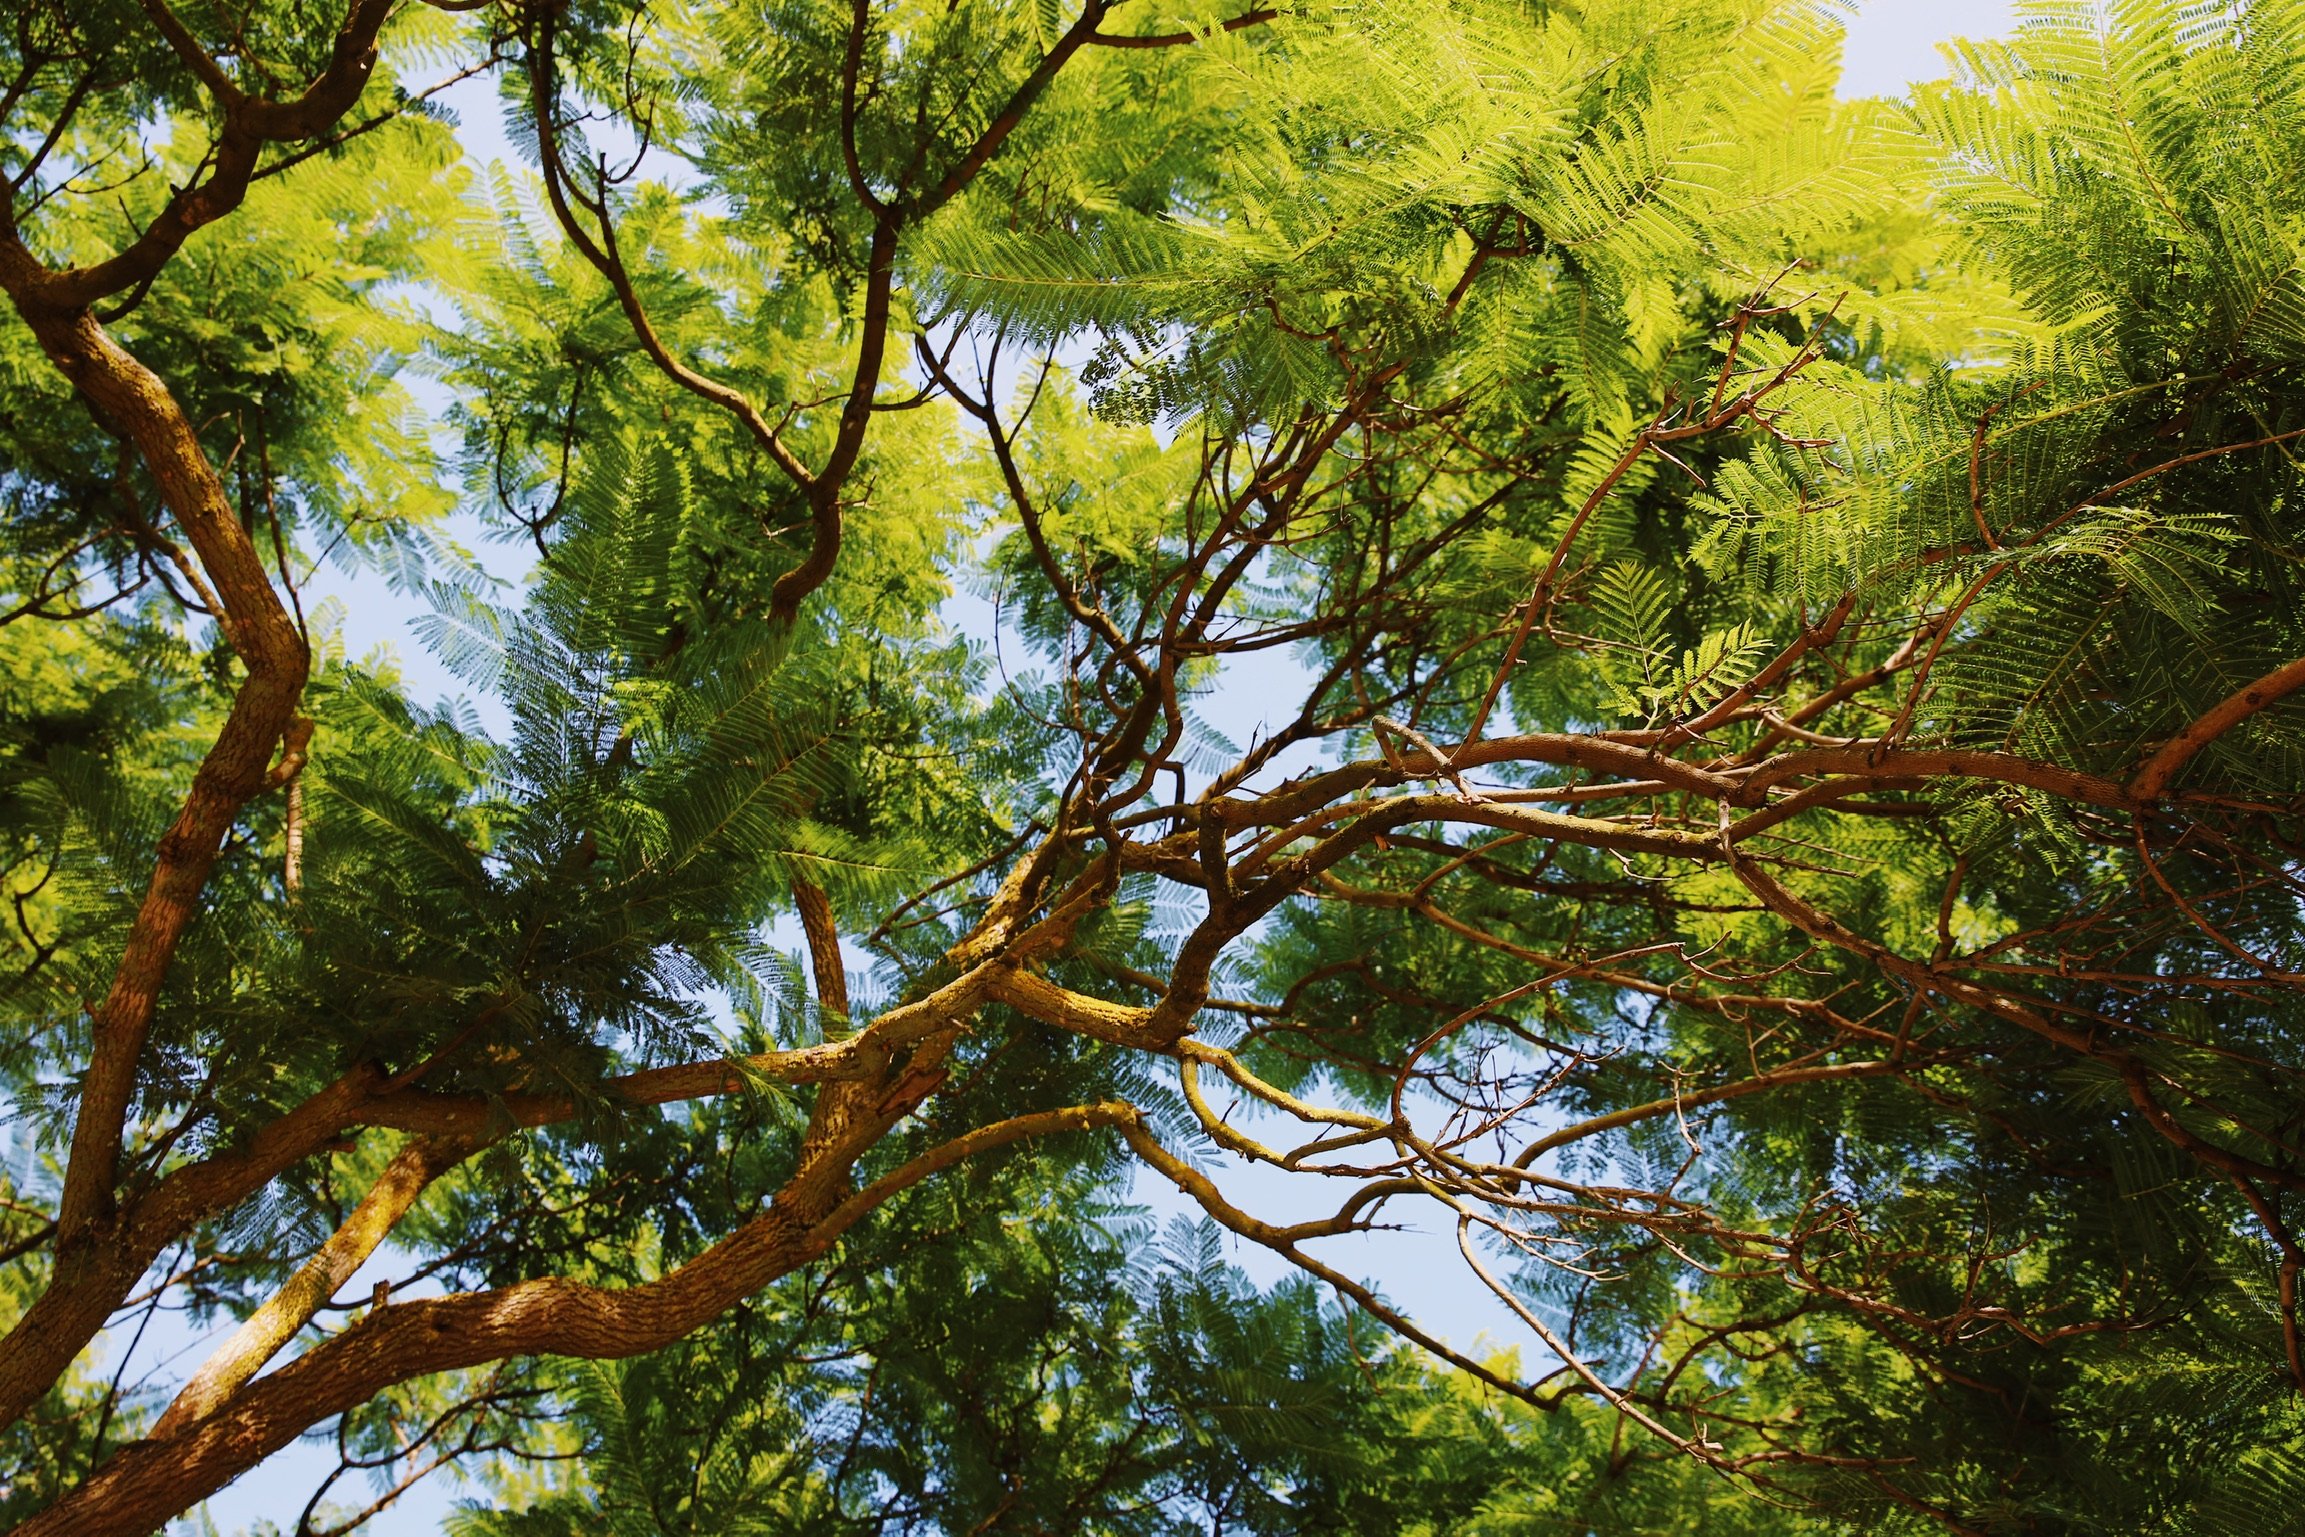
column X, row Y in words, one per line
column 823, row 945
column 273, row 1325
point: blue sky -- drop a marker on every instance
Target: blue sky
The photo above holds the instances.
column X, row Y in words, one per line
column 1891, row 43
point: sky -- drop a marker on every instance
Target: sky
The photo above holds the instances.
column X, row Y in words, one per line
column 1891, row 43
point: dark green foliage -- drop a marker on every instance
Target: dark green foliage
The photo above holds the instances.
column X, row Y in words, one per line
column 1078, row 1390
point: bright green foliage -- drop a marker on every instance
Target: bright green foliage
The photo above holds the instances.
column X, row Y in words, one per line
column 287, row 344
column 1811, row 517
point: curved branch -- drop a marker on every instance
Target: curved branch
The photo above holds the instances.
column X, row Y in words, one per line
column 148, row 1482
column 1255, row 18
column 135, row 403
column 249, row 123
column 266, row 1331
column 1634, row 1114
column 2165, row 765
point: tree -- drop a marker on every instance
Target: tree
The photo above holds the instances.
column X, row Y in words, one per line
column 1785, row 838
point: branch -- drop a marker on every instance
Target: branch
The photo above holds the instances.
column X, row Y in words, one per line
column 823, row 945
column 273, row 1325
column 853, row 1059
column 600, row 251
column 2164, row 766
column 1633, row 1114
column 1284, row 1242
column 236, row 768
column 155, row 1479
column 1876, row 763
column 248, row 124
column 133, row 403
column 2135, row 1077
column 1114, row 1023
column 1255, row 18
column 92, row 1277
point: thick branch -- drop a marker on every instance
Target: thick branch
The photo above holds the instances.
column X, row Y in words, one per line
column 823, row 945
column 2165, row 765
column 249, row 123
column 273, row 1325
column 134, row 401
column 153, row 1480
column 94, row 1277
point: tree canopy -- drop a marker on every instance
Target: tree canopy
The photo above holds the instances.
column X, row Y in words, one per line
column 1776, row 840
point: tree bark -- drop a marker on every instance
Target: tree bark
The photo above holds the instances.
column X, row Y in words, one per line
column 272, row 1326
